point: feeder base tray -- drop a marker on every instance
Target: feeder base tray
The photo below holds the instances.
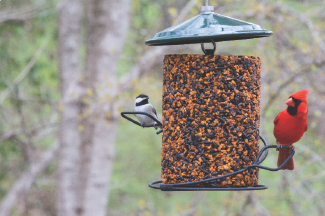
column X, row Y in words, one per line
column 166, row 187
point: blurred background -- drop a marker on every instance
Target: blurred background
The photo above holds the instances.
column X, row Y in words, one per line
column 69, row 67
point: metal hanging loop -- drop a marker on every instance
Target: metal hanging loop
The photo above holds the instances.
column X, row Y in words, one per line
column 209, row 51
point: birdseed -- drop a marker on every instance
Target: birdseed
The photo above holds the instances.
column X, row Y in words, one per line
column 210, row 118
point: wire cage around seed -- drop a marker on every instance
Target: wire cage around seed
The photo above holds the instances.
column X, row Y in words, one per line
column 210, row 119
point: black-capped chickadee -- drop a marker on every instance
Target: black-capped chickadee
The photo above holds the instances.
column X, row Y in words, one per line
column 142, row 105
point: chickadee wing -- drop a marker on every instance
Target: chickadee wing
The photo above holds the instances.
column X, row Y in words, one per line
column 154, row 110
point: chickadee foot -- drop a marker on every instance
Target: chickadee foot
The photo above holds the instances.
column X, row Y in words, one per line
column 292, row 148
column 142, row 125
column 278, row 146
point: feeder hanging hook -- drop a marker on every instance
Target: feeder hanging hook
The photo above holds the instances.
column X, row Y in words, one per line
column 209, row 51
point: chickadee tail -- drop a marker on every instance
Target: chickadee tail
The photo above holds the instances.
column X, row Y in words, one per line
column 284, row 153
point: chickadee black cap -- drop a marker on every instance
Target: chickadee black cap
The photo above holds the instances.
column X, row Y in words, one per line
column 142, row 96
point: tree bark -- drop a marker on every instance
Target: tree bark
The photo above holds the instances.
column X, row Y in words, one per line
column 87, row 155
column 107, row 25
column 69, row 136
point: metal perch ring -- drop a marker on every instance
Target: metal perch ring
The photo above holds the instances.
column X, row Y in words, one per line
column 186, row 186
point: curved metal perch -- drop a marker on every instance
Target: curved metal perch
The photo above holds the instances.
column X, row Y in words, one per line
column 184, row 186
column 123, row 114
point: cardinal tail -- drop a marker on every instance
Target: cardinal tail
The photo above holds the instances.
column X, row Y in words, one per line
column 284, row 153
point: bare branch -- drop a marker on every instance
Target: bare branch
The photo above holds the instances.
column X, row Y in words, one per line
column 286, row 183
column 316, row 34
column 24, row 13
column 252, row 202
column 26, row 180
column 38, row 131
column 150, row 58
column 315, row 156
column 287, row 82
column 25, row 71
column 281, row 88
column 186, row 9
column 147, row 60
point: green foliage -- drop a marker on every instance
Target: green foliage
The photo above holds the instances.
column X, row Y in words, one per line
column 29, row 105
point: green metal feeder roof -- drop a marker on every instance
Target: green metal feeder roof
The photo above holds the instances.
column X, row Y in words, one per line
column 206, row 27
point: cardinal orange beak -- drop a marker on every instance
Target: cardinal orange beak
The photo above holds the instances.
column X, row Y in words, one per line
column 290, row 102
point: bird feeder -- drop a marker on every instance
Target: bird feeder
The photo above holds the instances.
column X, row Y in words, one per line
column 211, row 108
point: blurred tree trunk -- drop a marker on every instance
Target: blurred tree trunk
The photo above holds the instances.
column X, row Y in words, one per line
column 107, row 27
column 69, row 135
column 87, row 145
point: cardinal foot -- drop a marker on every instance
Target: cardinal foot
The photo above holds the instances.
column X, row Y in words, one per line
column 278, row 146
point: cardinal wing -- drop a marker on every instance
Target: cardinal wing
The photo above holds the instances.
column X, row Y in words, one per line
column 276, row 120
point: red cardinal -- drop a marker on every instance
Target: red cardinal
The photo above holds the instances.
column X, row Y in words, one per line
column 290, row 125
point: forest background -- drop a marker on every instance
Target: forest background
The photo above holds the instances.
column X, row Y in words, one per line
column 69, row 67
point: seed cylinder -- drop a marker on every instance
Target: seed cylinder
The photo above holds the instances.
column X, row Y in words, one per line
column 210, row 118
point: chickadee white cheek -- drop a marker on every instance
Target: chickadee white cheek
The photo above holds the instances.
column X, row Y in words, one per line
column 138, row 100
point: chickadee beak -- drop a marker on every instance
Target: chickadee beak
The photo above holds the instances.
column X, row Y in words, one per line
column 290, row 102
